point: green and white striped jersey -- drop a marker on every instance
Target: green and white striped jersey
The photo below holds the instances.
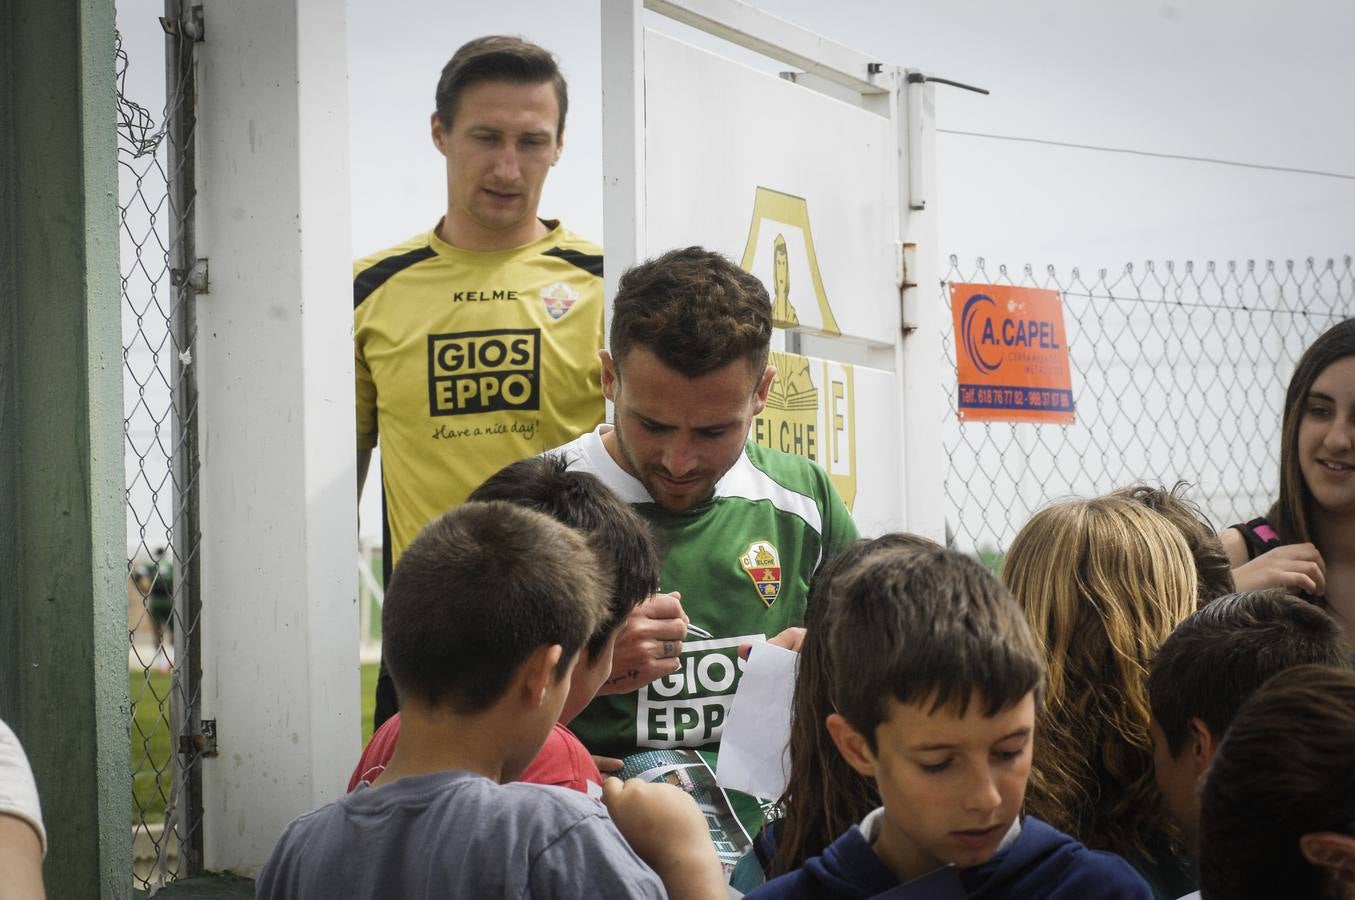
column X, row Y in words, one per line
column 742, row 561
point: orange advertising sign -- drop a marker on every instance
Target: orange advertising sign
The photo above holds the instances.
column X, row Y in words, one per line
column 1011, row 354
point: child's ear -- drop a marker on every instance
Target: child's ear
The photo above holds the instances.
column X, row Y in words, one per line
column 538, row 672
column 852, row 744
column 1332, row 851
column 1201, row 746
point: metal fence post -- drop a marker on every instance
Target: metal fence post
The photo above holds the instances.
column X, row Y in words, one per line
column 161, row 278
column 183, row 24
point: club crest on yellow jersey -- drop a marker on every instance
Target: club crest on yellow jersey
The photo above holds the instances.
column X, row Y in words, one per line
column 763, row 565
column 559, row 299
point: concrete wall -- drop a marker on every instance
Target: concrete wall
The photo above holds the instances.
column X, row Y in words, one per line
column 275, row 375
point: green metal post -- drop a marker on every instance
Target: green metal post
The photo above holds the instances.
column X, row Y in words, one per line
column 63, row 644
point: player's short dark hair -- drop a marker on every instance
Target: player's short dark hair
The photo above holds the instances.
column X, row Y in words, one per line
column 478, row 590
column 926, row 625
column 623, row 541
column 693, row 309
column 1283, row 770
column 1218, row 656
column 498, row 57
column 1212, row 565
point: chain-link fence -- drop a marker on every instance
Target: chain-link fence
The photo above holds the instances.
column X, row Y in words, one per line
column 1179, row 374
column 156, row 202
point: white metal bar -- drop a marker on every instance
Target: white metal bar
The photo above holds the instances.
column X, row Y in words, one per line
column 623, row 140
column 751, row 28
column 922, row 312
column 916, row 93
column 827, row 87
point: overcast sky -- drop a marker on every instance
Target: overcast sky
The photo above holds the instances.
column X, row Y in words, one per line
column 1249, row 82
column 1262, row 85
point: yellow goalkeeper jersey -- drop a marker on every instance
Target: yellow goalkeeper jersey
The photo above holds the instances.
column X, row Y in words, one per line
column 468, row 361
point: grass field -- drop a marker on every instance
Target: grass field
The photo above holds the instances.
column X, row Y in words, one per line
column 152, row 762
column 368, row 702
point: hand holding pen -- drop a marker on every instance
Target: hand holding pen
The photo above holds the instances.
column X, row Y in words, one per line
column 650, row 647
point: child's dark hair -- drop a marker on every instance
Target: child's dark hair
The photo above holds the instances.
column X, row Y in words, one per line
column 478, row 590
column 1283, row 770
column 824, row 796
column 1221, row 654
column 622, row 540
column 497, row 57
column 693, row 309
column 927, row 626
column 1214, row 571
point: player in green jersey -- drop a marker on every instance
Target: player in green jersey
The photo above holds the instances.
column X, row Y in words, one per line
column 744, row 527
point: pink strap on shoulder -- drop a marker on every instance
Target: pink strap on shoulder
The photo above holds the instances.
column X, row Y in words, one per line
column 1266, row 533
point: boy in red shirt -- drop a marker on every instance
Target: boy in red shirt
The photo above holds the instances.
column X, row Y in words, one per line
column 625, row 550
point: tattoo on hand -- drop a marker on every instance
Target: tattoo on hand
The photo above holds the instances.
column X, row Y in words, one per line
column 630, row 673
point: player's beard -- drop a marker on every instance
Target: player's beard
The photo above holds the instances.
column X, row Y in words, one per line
column 653, row 484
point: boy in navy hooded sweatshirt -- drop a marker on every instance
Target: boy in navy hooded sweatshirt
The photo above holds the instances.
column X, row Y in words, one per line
column 936, row 681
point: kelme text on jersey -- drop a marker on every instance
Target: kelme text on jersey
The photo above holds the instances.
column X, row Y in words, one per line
column 484, row 371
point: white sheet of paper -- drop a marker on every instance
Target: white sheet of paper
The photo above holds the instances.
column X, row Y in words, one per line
column 754, row 757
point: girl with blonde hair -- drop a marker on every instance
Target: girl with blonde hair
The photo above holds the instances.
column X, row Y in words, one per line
column 1102, row 582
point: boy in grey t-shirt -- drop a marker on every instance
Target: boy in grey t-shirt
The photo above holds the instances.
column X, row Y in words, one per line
column 482, row 625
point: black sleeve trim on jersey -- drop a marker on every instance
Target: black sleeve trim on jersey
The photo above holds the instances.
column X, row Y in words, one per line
column 372, row 277
column 589, row 262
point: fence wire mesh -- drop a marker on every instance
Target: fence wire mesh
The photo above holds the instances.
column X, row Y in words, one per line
column 1179, row 374
column 160, row 454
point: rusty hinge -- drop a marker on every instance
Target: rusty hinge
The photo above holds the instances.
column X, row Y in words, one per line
column 905, row 256
column 201, row 744
column 906, row 263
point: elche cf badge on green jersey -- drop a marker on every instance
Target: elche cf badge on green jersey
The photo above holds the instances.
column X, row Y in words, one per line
column 763, row 565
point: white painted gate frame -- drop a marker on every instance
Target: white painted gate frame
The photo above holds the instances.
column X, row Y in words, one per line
column 844, row 74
